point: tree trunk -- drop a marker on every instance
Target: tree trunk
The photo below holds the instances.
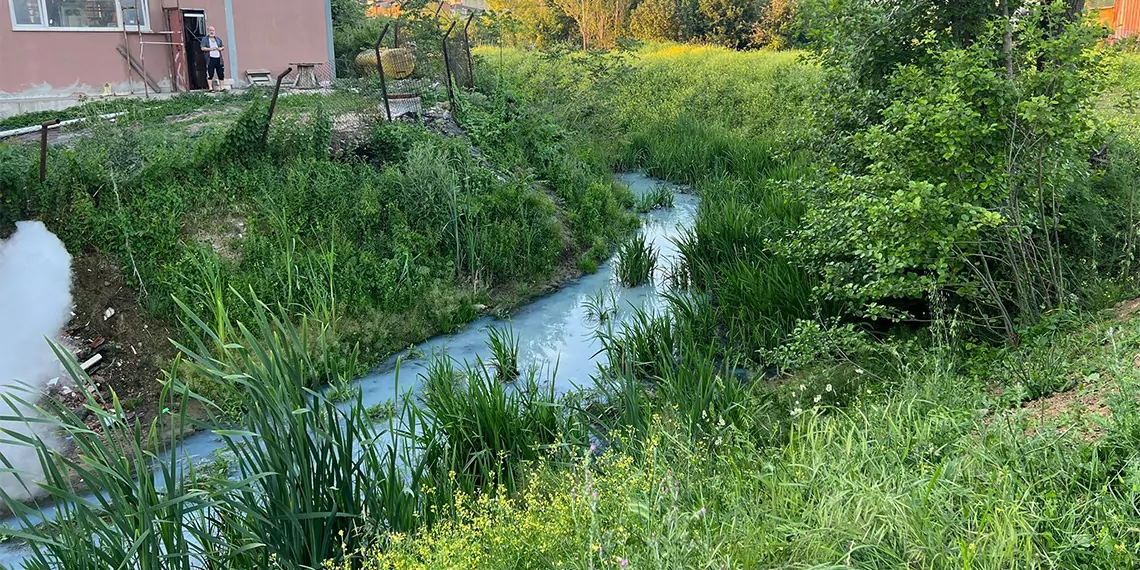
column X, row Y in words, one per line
column 1007, row 40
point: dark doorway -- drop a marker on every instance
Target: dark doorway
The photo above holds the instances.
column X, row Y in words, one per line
column 195, row 22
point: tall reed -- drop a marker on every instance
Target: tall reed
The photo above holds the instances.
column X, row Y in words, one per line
column 316, row 476
column 113, row 501
column 487, row 428
column 636, row 260
column 504, row 346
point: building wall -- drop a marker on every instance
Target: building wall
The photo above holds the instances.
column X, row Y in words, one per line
column 1127, row 18
column 1106, row 16
column 292, row 31
column 268, row 34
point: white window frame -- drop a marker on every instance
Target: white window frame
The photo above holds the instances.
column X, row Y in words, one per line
column 142, row 8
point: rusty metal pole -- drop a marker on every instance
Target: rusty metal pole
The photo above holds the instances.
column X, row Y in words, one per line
column 142, row 47
column 380, row 69
column 273, row 105
column 43, row 147
column 467, row 45
column 447, row 66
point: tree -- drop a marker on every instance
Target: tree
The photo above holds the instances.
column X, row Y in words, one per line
column 656, row 20
column 599, row 21
column 778, row 26
column 975, row 184
column 728, row 22
column 537, row 22
column 347, row 14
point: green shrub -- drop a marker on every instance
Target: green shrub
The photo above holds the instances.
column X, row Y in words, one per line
column 958, row 190
column 656, row 20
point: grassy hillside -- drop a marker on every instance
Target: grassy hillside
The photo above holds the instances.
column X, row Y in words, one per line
column 400, row 232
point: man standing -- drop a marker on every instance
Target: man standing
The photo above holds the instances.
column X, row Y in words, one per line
column 214, row 65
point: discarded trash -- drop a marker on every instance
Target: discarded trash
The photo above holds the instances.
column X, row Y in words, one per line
column 91, row 362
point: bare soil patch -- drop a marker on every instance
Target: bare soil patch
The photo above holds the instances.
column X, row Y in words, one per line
column 1082, row 410
column 1125, row 310
column 223, row 234
column 133, row 347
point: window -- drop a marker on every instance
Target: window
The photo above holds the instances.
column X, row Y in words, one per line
column 131, row 13
column 1099, row 4
column 78, row 14
column 27, row 13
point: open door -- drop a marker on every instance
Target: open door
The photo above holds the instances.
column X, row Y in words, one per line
column 194, row 29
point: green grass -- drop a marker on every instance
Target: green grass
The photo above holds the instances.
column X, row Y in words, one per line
column 660, row 197
column 636, row 259
column 419, row 231
column 909, row 449
column 734, row 126
column 703, row 475
column 504, row 346
column 600, row 306
column 915, row 447
column 487, row 428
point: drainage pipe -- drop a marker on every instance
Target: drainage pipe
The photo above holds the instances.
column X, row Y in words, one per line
column 32, row 129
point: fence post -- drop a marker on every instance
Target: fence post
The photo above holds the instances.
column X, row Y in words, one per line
column 380, row 68
column 467, row 46
column 43, row 147
column 447, row 66
column 273, row 105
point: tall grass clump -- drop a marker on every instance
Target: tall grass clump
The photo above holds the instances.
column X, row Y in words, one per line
column 312, row 481
column 641, row 346
column 636, row 259
column 113, row 500
column 600, row 306
column 487, row 428
column 315, row 475
column 659, row 197
column 504, row 346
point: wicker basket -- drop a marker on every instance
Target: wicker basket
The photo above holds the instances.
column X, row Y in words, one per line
column 399, row 63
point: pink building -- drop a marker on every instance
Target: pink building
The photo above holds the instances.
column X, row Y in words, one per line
column 57, row 49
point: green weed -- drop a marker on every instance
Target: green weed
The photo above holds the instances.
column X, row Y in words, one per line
column 660, row 197
column 600, row 306
column 636, row 260
column 504, row 347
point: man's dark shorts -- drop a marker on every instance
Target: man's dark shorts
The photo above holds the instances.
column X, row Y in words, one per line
column 215, row 66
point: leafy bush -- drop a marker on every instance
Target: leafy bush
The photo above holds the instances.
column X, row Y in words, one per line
column 974, row 194
column 726, row 22
column 779, row 26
